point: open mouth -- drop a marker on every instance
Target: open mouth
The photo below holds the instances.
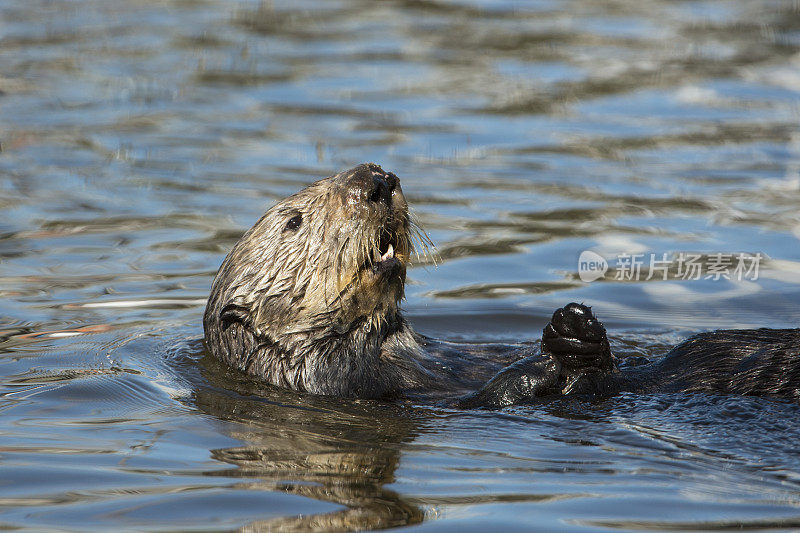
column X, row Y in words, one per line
column 382, row 263
column 385, row 250
column 383, row 257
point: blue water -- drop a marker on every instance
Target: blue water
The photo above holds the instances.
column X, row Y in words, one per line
column 140, row 139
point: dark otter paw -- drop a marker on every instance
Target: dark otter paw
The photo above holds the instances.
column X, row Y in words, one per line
column 577, row 339
column 519, row 383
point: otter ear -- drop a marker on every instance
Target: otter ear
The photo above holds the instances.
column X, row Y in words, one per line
column 234, row 311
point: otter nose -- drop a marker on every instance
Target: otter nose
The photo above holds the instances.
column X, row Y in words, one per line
column 383, row 183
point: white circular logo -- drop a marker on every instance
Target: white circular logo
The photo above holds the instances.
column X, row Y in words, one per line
column 591, row 266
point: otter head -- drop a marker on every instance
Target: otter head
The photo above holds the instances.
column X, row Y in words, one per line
column 320, row 275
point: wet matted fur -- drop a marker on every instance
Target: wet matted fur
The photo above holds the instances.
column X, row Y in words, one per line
column 308, row 298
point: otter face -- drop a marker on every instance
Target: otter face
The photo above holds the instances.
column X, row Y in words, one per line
column 356, row 230
column 330, row 257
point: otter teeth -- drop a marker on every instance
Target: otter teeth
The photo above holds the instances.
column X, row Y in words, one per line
column 389, row 253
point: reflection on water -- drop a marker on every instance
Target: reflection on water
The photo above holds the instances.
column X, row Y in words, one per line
column 139, row 139
column 339, row 452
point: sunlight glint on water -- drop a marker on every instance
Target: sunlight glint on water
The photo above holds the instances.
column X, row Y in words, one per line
column 140, row 139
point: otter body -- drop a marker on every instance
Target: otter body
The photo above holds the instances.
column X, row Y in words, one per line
column 755, row 362
column 308, row 299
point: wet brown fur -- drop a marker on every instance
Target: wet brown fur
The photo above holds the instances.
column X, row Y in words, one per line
column 304, row 308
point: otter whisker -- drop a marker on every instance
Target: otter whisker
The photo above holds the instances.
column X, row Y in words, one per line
column 423, row 241
column 374, row 247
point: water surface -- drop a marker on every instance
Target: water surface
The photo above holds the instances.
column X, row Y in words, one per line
column 140, row 139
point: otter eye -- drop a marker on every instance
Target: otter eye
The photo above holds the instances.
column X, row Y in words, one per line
column 294, row 222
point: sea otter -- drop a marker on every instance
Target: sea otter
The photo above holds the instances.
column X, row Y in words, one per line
column 308, row 299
